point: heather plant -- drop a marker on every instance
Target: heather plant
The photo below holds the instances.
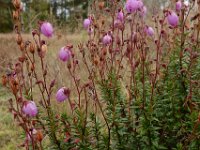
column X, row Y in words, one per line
column 140, row 88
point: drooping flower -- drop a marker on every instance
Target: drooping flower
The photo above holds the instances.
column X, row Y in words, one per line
column 86, row 23
column 120, row 16
column 107, row 39
column 62, row 94
column 30, row 108
column 64, row 54
column 133, row 5
column 178, row 5
column 46, row 29
column 149, row 31
column 173, row 19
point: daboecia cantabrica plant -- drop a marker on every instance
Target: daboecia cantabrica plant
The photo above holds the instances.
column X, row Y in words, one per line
column 140, row 88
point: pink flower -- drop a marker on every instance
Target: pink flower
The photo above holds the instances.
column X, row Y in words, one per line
column 149, row 31
column 117, row 23
column 134, row 36
column 140, row 4
column 31, row 134
column 120, row 16
column 178, row 5
column 143, row 11
column 46, row 29
column 173, row 19
column 62, row 94
column 90, row 30
column 64, row 54
column 133, row 5
column 30, row 108
column 107, row 39
column 86, row 23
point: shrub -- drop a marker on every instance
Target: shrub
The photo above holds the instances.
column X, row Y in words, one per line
column 141, row 89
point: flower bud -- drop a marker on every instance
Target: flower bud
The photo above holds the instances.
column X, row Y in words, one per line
column 64, row 54
column 62, row 94
column 46, row 29
column 30, row 108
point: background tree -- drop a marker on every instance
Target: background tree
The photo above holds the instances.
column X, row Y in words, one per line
column 5, row 13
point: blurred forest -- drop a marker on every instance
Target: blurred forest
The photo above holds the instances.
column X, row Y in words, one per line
column 60, row 12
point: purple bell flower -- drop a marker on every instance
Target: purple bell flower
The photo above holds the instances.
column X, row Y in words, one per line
column 86, row 23
column 64, row 54
column 62, row 94
column 30, row 109
column 149, row 31
column 120, row 16
column 173, row 19
column 178, row 5
column 107, row 39
column 133, row 5
column 46, row 29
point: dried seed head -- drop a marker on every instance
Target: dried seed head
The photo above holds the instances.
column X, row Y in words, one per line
column 22, row 46
column 14, row 86
column 19, row 39
column 43, row 51
column 32, row 67
column 39, row 136
column 22, row 59
column 15, row 15
column 101, row 5
column 31, row 48
column 17, row 4
column 4, row 80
